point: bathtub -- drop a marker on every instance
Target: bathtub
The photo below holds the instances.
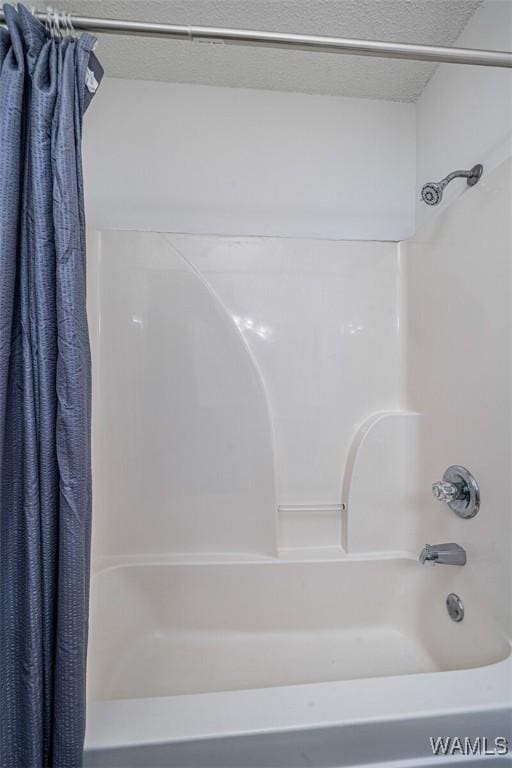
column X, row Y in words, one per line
column 280, row 662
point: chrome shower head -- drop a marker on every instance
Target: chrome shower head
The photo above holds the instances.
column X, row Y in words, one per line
column 432, row 192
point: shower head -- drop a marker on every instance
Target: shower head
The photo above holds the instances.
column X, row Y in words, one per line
column 432, row 192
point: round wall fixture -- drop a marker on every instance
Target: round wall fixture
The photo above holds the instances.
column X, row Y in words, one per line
column 459, row 490
column 455, row 607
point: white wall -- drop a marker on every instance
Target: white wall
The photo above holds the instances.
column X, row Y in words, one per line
column 320, row 318
column 464, row 116
column 183, row 453
column 458, row 292
column 206, row 160
column 198, row 159
column 459, row 362
column 231, row 375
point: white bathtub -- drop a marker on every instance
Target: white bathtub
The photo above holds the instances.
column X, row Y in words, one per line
column 281, row 663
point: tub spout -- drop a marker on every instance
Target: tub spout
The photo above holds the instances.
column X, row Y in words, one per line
column 445, row 554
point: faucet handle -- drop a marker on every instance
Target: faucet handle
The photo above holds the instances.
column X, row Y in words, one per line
column 459, row 490
column 444, row 491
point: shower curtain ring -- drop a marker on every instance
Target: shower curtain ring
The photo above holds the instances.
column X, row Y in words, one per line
column 72, row 30
column 65, row 24
column 47, row 21
column 57, row 21
column 60, row 22
column 50, row 22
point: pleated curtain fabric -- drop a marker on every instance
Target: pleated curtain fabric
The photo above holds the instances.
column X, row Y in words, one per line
column 45, row 390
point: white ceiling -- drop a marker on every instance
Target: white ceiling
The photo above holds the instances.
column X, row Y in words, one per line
column 415, row 21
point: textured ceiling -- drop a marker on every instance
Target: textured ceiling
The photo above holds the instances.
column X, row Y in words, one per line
column 414, row 21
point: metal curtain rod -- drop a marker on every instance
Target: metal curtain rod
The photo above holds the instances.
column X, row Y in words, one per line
column 315, row 43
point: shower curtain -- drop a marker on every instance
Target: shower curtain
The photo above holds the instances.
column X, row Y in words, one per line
column 45, row 490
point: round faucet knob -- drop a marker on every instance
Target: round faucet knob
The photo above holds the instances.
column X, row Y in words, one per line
column 459, row 490
column 445, row 491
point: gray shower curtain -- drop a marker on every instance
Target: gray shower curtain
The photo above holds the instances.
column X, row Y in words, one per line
column 45, row 491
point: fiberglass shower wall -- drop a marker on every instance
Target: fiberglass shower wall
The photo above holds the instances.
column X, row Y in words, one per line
column 458, row 268
column 233, row 370
column 223, row 410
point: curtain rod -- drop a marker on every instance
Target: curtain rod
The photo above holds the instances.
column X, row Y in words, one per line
column 314, row 43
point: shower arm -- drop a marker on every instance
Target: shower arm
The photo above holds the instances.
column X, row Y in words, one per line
column 313, row 43
column 432, row 191
column 457, row 175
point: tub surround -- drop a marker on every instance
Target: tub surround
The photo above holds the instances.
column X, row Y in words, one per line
column 275, row 604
